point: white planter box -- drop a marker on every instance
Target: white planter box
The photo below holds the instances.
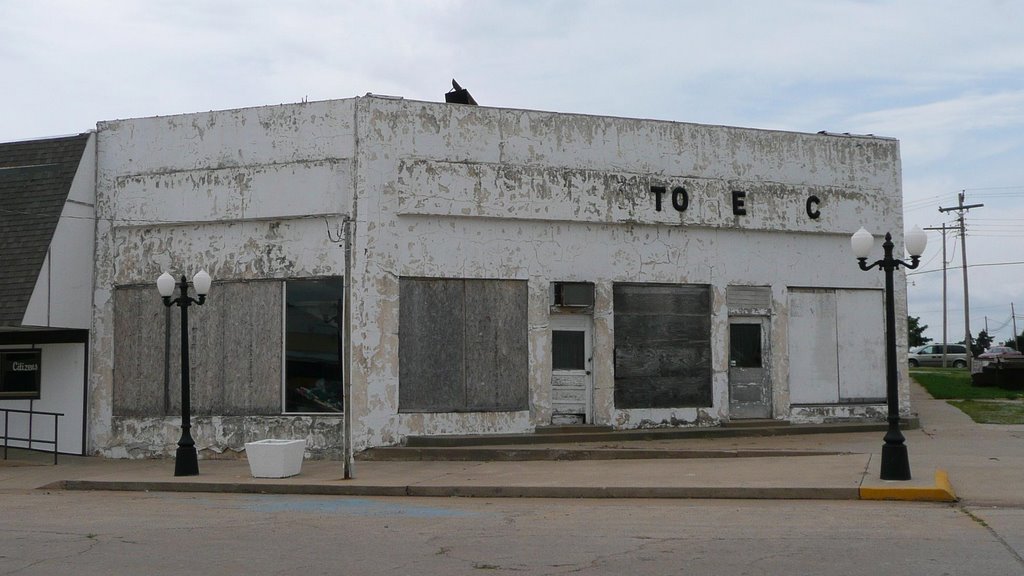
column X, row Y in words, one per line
column 275, row 458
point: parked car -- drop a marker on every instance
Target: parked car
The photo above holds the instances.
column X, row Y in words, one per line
column 931, row 355
column 998, row 353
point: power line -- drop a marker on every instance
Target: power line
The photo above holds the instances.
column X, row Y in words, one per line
column 984, row 265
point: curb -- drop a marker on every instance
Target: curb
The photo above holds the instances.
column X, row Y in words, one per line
column 942, row 491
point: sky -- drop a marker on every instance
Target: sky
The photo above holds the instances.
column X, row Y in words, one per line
column 946, row 78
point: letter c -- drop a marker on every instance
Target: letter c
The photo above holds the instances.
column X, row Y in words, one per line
column 812, row 207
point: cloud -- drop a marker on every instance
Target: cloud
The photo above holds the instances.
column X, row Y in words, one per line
column 963, row 113
column 945, row 77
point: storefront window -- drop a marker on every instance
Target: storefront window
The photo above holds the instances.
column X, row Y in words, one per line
column 19, row 374
column 313, row 345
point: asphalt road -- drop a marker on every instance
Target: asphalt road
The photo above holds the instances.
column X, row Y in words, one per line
column 85, row 533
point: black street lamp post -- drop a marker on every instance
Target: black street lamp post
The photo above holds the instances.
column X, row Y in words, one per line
column 895, row 464
column 186, row 460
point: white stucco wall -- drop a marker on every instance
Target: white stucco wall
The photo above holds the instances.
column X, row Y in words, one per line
column 455, row 191
column 244, row 194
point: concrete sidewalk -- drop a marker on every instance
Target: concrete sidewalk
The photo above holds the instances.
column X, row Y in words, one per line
column 985, row 463
column 836, row 477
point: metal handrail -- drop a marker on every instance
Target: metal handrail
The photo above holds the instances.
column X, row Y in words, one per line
column 31, row 414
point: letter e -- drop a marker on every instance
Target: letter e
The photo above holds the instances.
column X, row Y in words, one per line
column 739, row 205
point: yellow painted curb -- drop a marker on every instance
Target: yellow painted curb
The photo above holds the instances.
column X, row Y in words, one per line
column 941, row 492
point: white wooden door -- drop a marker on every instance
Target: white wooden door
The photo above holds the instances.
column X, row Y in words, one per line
column 571, row 360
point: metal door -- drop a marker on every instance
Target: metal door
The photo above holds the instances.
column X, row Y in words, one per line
column 571, row 360
column 750, row 386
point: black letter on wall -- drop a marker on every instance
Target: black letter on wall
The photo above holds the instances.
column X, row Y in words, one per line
column 812, row 207
column 739, row 206
column 658, row 192
column 680, row 199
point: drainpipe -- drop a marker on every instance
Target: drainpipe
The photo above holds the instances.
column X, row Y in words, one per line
column 346, row 360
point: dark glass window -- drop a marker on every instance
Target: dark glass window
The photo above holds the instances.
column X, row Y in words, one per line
column 567, row 351
column 745, row 345
column 19, row 374
column 313, row 340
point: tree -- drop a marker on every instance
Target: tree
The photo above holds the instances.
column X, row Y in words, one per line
column 915, row 332
column 982, row 343
column 1017, row 343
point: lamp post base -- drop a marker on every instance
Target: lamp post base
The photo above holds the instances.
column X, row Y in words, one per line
column 186, row 461
column 895, row 463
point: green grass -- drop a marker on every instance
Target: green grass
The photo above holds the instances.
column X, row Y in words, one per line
column 984, row 404
column 992, row 411
column 953, row 383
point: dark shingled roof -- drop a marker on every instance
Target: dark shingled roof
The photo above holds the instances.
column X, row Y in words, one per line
column 35, row 178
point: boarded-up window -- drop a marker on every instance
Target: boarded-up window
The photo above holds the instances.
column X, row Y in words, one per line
column 752, row 300
column 836, row 346
column 235, row 342
column 662, row 346
column 463, row 345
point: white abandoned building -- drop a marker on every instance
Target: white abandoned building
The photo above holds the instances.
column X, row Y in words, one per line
column 507, row 269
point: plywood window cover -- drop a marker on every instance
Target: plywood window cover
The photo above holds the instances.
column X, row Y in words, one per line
column 442, row 378
column 641, row 387
column 743, row 300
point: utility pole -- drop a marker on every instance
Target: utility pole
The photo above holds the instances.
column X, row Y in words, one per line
column 1013, row 318
column 960, row 209
column 945, row 319
column 986, row 333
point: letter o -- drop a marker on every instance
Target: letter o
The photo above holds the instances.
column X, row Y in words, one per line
column 680, row 199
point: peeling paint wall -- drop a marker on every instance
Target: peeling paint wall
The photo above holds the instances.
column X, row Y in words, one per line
column 458, row 191
column 451, row 191
column 245, row 194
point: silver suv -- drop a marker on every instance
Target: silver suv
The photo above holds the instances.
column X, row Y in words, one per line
column 931, row 355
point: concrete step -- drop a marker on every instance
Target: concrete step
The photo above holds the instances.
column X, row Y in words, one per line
column 572, row 429
column 482, row 440
column 522, row 454
column 755, row 423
